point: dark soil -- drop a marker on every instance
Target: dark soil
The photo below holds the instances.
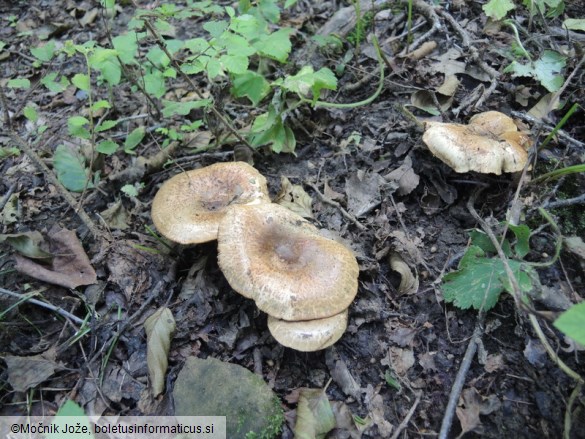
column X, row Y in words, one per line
column 416, row 338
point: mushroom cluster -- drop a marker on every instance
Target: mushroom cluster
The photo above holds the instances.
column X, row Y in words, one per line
column 490, row 143
column 302, row 280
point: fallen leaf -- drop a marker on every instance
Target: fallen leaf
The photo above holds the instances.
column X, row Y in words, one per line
column 70, row 266
column 493, row 362
column 471, row 405
column 315, row 416
column 10, row 213
column 28, row 372
column 116, row 216
column 27, row 244
column 409, row 282
column 294, row 198
column 400, row 360
column 159, row 327
column 363, row 192
column 404, row 176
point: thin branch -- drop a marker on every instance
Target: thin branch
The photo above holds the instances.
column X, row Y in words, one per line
column 406, row 419
column 46, row 305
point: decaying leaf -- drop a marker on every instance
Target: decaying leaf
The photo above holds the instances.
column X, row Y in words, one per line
column 363, row 192
column 409, row 282
column 315, row 416
column 405, row 177
column 28, row 372
column 471, row 405
column 159, row 327
column 116, row 216
column 27, row 244
column 294, row 197
column 10, row 212
column 70, row 266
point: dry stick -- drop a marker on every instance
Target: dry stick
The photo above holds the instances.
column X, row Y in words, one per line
column 431, row 15
column 344, row 212
column 460, row 378
column 564, row 203
column 186, row 77
column 49, row 175
column 563, row 134
column 406, row 419
column 46, row 305
column 475, row 55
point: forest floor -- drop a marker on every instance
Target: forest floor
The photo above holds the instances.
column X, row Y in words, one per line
column 371, row 180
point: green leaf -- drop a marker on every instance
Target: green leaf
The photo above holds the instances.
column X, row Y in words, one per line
column 171, row 108
column 154, row 84
column 54, row 86
column 277, row 45
column 234, row 63
column 290, row 3
column 250, row 85
column 45, row 52
column 324, row 79
column 522, row 233
column 19, row 83
column 479, row 280
column 100, row 104
column 572, row 323
column 81, row 81
column 236, row 45
column 574, row 24
column 247, row 26
column 30, row 113
column 27, row 244
column 215, row 28
column 498, row 9
column 129, row 190
column 268, row 128
column 107, row 147
column 106, row 125
column 126, row 46
column 546, row 70
column 105, row 61
column 77, row 127
column 71, row 170
column 133, row 139
column 213, row 68
column 64, row 417
column 302, row 82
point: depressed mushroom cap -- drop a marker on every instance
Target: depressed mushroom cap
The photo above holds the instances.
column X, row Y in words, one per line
column 309, row 335
column 189, row 206
column 491, row 143
column 278, row 259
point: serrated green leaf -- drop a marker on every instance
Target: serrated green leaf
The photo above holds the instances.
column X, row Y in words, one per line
column 250, row 85
column 126, row 46
column 324, row 79
column 522, row 233
column 271, row 130
column 70, row 169
column 269, row 10
column 159, row 328
column 77, row 127
column 574, row 24
column 478, row 282
column 171, row 108
column 215, row 28
column 234, row 63
column 498, row 9
column 572, row 323
column 106, row 125
column 248, row 26
column 235, row 44
column 300, row 83
column 81, row 81
column 107, row 147
column 213, row 68
column 129, row 190
column 277, row 45
column 547, row 69
column 45, row 52
column 30, row 113
column 19, row 83
column 100, row 104
column 133, row 139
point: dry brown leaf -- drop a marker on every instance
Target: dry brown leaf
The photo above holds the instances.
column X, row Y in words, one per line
column 294, row 198
column 70, row 266
column 363, row 192
column 27, row 372
column 405, row 177
column 159, row 327
column 315, row 417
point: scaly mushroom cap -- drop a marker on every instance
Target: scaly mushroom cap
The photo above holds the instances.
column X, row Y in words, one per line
column 189, row 206
column 491, row 143
column 308, row 335
column 274, row 256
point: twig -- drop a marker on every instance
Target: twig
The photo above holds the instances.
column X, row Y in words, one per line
column 46, row 305
column 406, row 419
column 562, row 134
column 344, row 212
column 460, row 378
column 564, row 203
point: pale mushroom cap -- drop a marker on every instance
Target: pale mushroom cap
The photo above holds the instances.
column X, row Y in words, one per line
column 309, row 335
column 189, row 206
column 493, row 122
column 274, row 256
column 470, row 148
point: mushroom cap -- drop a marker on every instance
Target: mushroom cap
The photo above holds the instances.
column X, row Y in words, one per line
column 276, row 257
column 308, row 335
column 491, row 143
column 189, row 206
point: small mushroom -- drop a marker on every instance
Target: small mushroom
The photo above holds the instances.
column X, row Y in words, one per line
column 490, row 143
column 189, row 206
column 278, row 259
column 308, row 335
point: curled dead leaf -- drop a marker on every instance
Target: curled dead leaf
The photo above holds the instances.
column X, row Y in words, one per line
column 409, row 282
column 294, row 198
column 159, row 328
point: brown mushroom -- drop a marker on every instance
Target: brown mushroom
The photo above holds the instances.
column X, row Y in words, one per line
column 189, row 206
column 309, row 335
column 274, row 256
column 490, row 143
